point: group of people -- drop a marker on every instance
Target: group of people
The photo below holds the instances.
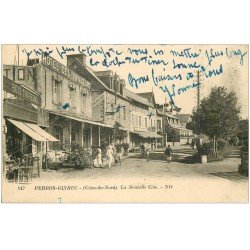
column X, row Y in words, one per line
column 110, row 157
column 146, row 152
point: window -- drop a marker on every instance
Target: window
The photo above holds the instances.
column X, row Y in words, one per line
column 136, row 120
column 84, row 101
column 118, row 87
column 121, row 89
column 133, row 119
column 139, row 121
column 158, row 124
column 20, row 74
column 72, row 97
column 112, row 107
column 58, row 133
column 124, row 113
column 146, row 122
column 57, row 92
column 111, row 84
column 151, row 122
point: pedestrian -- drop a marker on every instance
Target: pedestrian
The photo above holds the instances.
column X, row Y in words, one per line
column 110, row 155
column 168, row 152
column 142, row 147
column 99, row 157
column 147, row 154
column 192, row 144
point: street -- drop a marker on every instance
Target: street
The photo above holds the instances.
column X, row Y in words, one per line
column 211, row 182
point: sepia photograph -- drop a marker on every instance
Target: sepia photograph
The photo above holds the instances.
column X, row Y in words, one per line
column 103, row 123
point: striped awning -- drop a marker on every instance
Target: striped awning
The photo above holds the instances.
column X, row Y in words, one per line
column 33, row 130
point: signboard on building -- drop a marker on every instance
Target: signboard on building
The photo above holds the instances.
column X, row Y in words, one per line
column 43, row 118
column 63, row 70
column 21, row 91
column 16, row 108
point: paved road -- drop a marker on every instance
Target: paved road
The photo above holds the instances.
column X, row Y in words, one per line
column 212, row 182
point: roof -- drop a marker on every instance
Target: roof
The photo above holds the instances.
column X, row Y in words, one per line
column 104, row 73
column 184, row 118
column 148, row 134
column 135, row 97
column 171, row 116
column 93, row 75
column 147, row 95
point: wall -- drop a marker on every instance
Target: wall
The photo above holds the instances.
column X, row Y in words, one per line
column 118, row 116
column 21, row 74
column 46, row 77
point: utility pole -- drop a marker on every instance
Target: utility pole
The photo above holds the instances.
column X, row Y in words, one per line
column 198, row 105
column 198, row 89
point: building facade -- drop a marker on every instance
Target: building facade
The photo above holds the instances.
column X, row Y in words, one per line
column 145, row 123
column 110, row 106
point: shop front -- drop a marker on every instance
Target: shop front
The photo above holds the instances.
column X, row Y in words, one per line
column 148, row 139
column 23, row 140
column 72, row 130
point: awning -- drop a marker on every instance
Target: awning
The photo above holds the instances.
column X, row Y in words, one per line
column 41, row 132
column 149, row 135
column 33, row 130
column 180, row 127
column 80, row 119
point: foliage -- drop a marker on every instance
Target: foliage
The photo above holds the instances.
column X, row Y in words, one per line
column 205, row 149
column 233, row 140
column 173, row 135
column 126, row 147
column 104, row 145
column 221, row 144
column 190, row 125
column 118, row 148
column 118, row 133
column 217, row 115
column 245, row 148
column 80, row 157
column 57, row 145
column 243, row 131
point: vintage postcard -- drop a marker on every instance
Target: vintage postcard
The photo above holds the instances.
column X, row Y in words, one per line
column 125, row 123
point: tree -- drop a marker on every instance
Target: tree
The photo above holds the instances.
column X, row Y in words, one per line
column 190, row 125
column 243, row 131
column 173, row 135
column 118, row 133
column 217, row 116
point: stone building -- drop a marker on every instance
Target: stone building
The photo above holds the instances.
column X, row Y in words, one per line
column 109, row 103
column 144, row 122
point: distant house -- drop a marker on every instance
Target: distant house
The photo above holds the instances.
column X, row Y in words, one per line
column 184, row 119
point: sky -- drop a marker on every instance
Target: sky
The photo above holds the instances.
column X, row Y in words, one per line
column 169, row 70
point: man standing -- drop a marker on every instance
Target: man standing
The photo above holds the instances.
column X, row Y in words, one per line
column 147, row 154
column 168, row 152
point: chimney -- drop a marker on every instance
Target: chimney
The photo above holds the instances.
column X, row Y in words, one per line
column 80, row 57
